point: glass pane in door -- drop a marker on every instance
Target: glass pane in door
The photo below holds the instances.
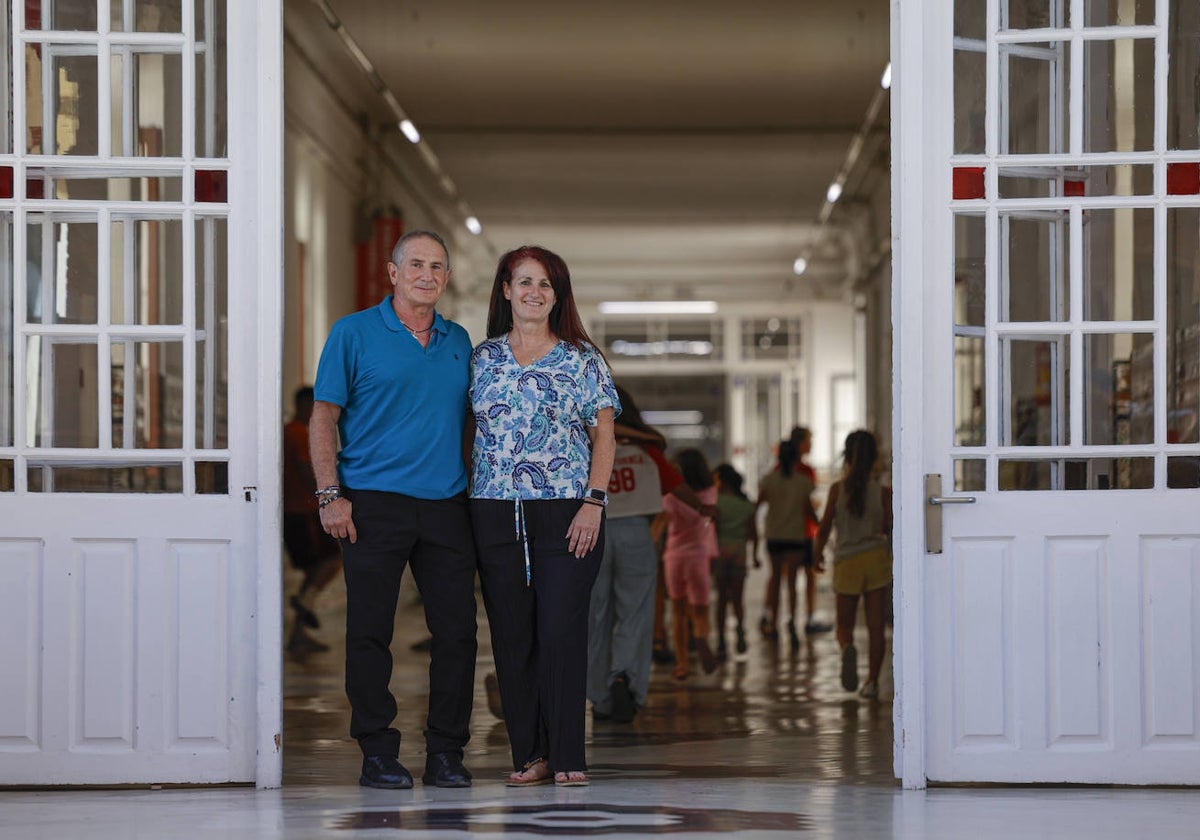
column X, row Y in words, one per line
column 7, row 305
column 1183, row 103
column 62, row 16
column 1035, row 97
column 60, row 398
column 211, row 57
column 1118, row 13
column 1118, row 108
column 1118, row 389
column 1183, row 325
column 1034, row 14
column 147, row 271
column 212, row 334
column 148, row 377
column 1032, row 275
column 61, row 279
column 1035, row 375
column 70, row 83
column 1118, row 264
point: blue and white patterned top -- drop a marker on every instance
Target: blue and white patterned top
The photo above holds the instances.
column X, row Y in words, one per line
column 530, row 435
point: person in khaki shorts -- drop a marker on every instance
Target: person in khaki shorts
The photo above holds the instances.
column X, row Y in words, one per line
column 860, row 510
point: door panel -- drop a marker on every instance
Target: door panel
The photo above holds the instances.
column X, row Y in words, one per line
column 1060, row 390
column 128, row 563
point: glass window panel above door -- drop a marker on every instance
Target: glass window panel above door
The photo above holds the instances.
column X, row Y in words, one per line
column 1118, row 109
column 61, row 275
column 1183, row 103
column 1118, row 264
column 1035, row 376
column 1183, row 325
column 1035, row 98
column 1033, row 269
column 1118, row 389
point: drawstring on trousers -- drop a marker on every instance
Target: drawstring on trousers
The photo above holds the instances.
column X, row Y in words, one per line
column 519, row 526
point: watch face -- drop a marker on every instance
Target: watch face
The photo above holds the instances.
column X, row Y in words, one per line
column 598, row 495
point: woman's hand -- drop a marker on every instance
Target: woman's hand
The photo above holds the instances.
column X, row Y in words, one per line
column 584, row 532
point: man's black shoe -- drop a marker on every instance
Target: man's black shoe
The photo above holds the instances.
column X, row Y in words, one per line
column 623, row 706
column 384, row 771
column 446, row 770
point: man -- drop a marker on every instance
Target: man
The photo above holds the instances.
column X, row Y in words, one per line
column 392, row 382
column 311, row 551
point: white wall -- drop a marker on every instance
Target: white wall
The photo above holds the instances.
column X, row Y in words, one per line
column 335, row 173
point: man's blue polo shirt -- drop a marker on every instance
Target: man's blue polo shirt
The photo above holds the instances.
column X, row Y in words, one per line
column 403, row 406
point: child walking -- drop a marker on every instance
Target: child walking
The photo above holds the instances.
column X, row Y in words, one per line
column 735, row 530
column 860, row 511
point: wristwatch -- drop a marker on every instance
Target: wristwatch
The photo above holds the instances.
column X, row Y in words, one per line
column 595, row 496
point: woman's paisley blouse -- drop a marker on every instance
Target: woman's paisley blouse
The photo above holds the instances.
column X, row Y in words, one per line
column 531, row 440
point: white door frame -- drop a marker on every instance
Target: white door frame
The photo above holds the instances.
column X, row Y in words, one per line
column 910, row 61
column 257, row 112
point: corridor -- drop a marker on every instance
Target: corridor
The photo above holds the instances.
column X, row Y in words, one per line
column 769, row 746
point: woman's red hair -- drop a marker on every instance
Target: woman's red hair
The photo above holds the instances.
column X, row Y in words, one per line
column 565, row 322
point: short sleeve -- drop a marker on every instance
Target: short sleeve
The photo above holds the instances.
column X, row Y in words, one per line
column 335, row 370
column 598, row 390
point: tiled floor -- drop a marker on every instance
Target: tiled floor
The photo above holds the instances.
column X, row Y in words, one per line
column 769, row 746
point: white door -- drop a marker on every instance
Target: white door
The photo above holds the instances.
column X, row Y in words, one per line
column 1048, row 359
column 131, row 476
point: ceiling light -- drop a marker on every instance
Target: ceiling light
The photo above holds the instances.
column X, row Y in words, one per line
column 473, row 225
column 834, row 192
column 886, row 81
column 799, row 266
column 673, row 418
column 410, row 131
column 658, row 307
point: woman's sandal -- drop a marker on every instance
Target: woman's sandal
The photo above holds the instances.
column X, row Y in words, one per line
column 573, row 778
column 680, row 673
column 536, row 772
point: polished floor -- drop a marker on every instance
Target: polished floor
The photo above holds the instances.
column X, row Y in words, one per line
column 769, row 746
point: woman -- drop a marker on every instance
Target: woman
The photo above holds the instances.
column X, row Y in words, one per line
column 787, row 493
column 860, row 510
column 543, row 403
column 622, row 611
column 736, row 531
column 691, row 548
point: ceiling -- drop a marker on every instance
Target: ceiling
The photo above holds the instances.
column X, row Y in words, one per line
column 665, row 148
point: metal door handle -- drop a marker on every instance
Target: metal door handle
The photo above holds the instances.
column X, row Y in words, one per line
column 934, row 500
column 951, row 500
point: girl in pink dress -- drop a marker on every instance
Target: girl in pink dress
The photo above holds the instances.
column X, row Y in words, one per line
column 691, row 548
